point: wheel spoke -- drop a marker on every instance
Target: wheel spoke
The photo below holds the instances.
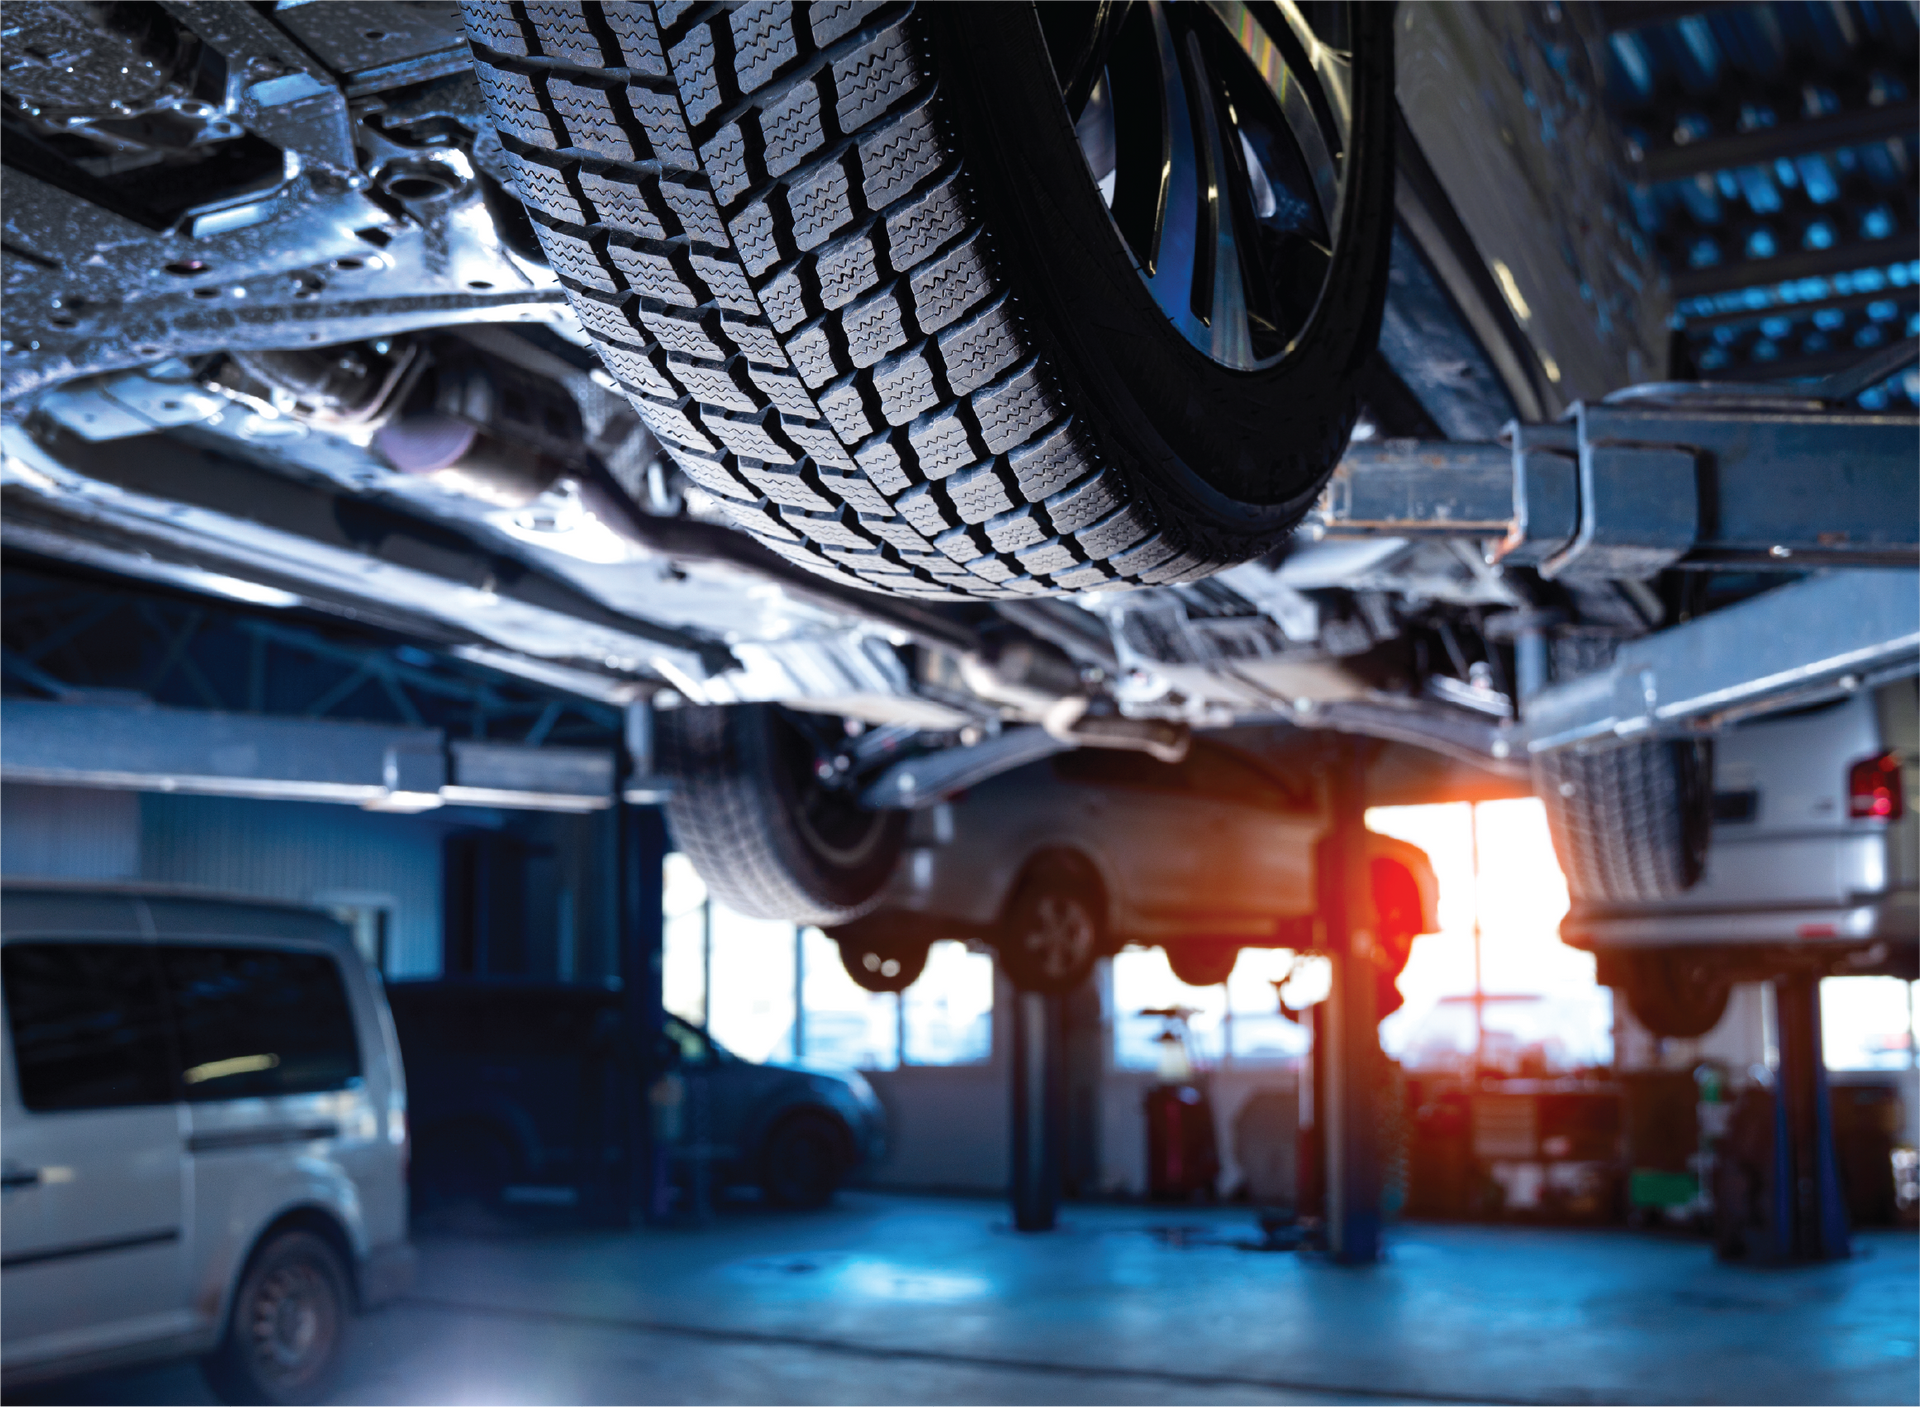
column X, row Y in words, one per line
column 1225, row 283
column 1142, row 143
column 1283, row 62
column 1088, row 47
column 1183, row 237
column 1225, row 163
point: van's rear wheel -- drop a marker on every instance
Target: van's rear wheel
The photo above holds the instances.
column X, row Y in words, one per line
column 987, row 300
column 286, row 1327
column 1629, row 824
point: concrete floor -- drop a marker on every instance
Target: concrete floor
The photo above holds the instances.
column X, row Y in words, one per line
column 911, row 1299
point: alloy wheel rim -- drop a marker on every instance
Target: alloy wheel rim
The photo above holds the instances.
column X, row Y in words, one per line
column 291, row 1321
column 1215, row 132
column 1060, row 937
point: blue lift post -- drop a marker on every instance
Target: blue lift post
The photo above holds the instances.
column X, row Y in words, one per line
column 1037, row 1070
column 641, row 857
column 1809, row 1208
column 1351, row 1065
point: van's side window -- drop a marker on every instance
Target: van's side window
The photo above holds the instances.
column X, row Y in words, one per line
column 259, row 1021
column 89, row 1025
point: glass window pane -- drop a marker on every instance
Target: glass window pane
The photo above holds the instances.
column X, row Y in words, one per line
column 846, row 1024
column 683, row 959
column 752, row 1009
column 690, row 1047
column 949, row 1012
column 259, row 1021
column 1260, row 1034
column 1142, row 980
column 1866, row 1023
column 89, row 1025
column 1521, row 897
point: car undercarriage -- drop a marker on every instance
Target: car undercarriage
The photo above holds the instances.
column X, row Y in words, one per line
column 292, row 322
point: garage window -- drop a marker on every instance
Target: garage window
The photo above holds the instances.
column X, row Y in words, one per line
column 89, row 1025
column 259, row 1021
column 1867, row 1023
column 768, row 992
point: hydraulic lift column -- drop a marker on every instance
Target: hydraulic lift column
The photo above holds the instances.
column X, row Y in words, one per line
column 1037, row 1068
column 1809, row 1210
column 1347, row 1057
column 640, row 878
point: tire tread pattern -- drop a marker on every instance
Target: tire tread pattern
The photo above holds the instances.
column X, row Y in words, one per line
column 1618, row 822
column 725, row 816
column 762, row 221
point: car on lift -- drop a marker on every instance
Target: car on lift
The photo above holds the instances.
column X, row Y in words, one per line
column 205, row 1131
column 879, row 392
column 520, row 1089
column 1814, row 865
column 1071, row 859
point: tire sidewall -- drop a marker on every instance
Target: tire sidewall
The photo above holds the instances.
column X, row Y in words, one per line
column 733, row 811
column 1201, row 431
column 233, row 1370
column 845, row 884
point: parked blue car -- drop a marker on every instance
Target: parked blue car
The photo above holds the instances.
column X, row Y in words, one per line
column 526, row 1085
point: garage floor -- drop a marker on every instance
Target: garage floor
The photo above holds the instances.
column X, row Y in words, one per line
column 899, row 1299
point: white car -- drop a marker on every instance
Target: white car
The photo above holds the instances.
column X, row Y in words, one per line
column 1087, row 852
column 205, row 1138
column 1813, row 861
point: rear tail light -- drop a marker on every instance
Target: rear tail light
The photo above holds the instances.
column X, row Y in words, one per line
column 1873, row 789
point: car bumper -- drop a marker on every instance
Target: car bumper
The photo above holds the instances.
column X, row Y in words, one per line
column 1889, row 918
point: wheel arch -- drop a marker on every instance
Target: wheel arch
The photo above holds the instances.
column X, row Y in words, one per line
column 317, row 1219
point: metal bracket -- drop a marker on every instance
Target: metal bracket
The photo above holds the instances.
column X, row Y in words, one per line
column 1829, row 634
column 1628, row 488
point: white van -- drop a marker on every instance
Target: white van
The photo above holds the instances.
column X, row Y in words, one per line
column 1813, row 864
column 203, row 1141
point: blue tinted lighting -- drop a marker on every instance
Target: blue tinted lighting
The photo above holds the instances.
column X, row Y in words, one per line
column 1819, row 235
column 1828, row 319
column 1760, row 245
column 1777, row 327
column 1869, row 336
column 1882, row 310
column 1877, row 223
column 1822, row 189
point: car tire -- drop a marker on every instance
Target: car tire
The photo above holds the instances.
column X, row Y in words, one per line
column 1679, row 995
column 286, row 1327
column 1630, row 824
column 850, row 263
column 1053, row 929
column 883, row 965
column 804, row 1159
column 766, row 834
column 1203, row 962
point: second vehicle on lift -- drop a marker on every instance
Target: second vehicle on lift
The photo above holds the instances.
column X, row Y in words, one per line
column 1812, row 867
column 1071, row 859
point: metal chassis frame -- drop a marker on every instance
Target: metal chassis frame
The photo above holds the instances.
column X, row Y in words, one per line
column 1703, row 477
